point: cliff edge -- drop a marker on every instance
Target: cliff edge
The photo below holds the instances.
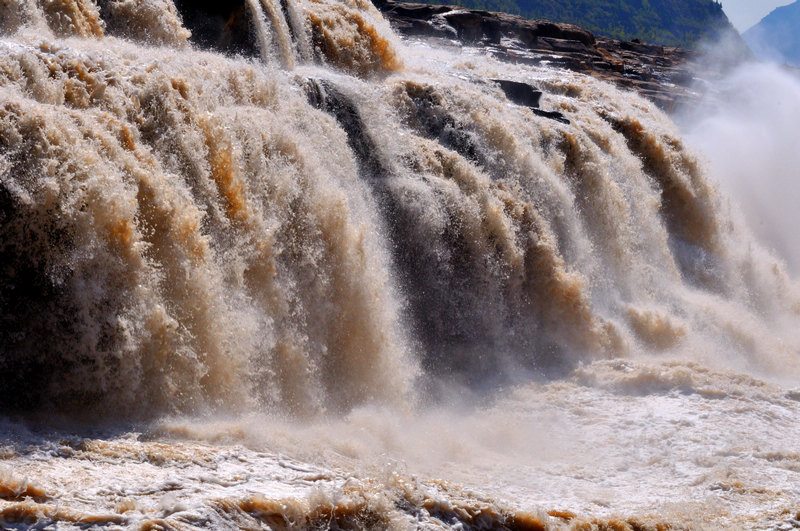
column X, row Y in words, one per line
column 663, row 74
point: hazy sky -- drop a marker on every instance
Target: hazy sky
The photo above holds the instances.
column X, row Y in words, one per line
column 746, row 13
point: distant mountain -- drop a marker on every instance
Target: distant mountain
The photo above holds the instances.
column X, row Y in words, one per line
column 777, row 36
column 668, row 22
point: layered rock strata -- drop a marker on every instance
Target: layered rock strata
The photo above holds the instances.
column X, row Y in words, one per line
column 664, row 75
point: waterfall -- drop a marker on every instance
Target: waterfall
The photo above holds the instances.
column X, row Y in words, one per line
column 280, row 32
column 260, row 23
column 193, row 231
column 268, row 265
column 298, row 28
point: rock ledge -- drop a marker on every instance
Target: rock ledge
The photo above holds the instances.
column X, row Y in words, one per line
column 661, row 74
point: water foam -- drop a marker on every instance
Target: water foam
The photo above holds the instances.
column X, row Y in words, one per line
column 200, row 231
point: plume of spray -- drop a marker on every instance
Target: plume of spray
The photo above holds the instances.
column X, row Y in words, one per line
column 747, row 129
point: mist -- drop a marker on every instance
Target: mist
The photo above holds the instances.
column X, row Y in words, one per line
column 747, row 130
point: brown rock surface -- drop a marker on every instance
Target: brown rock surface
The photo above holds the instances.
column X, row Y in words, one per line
column 664, row 75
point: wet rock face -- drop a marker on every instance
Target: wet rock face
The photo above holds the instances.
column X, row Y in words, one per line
column 482, row 26
column 221, row 26
column 527, row 96
column 661, row 74
column 520, row 93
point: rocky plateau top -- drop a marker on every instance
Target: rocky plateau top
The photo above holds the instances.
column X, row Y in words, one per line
column 668, row 76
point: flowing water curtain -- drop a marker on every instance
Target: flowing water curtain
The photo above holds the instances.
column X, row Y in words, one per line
column 253, row 251
column 196, row 231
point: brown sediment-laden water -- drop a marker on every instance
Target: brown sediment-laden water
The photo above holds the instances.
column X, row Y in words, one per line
column 311, row 275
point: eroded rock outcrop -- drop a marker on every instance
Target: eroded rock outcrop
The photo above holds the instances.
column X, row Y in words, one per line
column 664, row 75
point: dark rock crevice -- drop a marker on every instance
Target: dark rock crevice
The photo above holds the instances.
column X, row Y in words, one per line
column 221, row 26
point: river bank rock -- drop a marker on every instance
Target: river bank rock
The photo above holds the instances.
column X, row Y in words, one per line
column 665, row 75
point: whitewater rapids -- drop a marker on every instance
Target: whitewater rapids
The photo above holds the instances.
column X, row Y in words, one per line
column 347, row 283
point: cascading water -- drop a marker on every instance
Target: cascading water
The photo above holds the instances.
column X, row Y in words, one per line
column 299, row 31
column 280, row 30
column 263, row 34
column 313, row 245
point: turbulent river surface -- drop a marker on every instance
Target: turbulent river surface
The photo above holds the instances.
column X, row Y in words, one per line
column 345, row 282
